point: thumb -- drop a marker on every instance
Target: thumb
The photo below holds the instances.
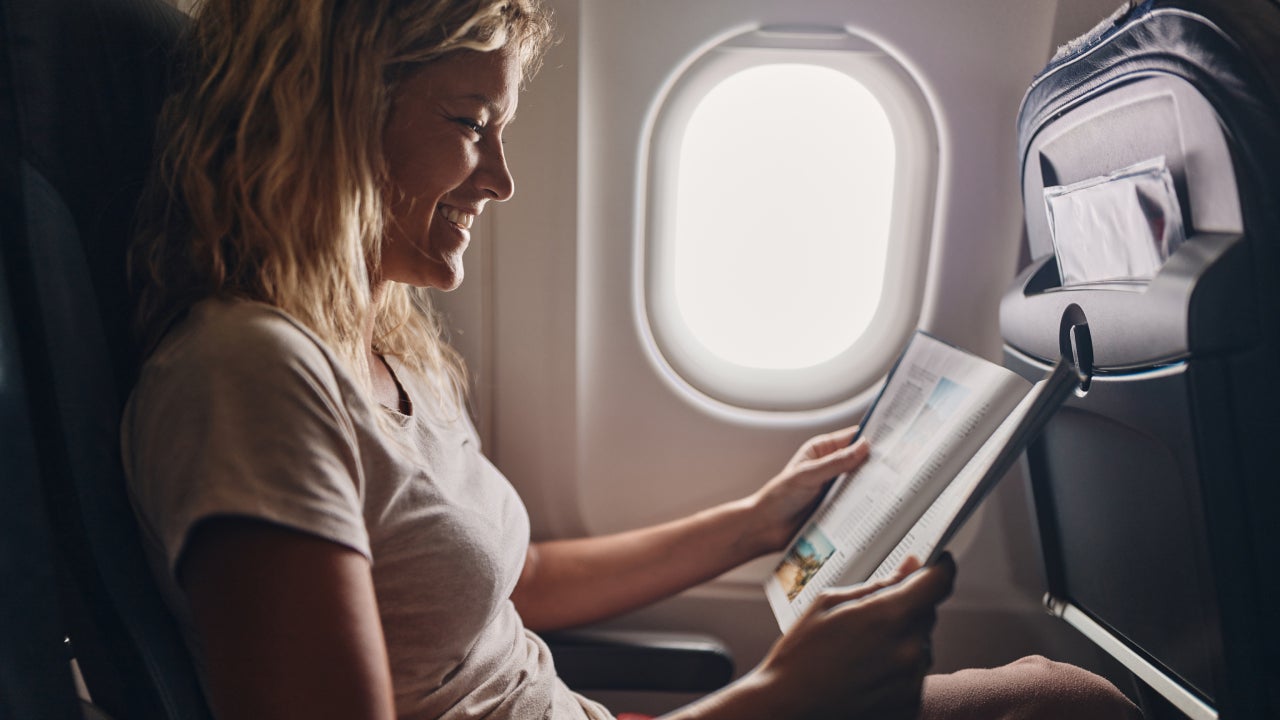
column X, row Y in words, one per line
column 840, row 595
column 923, row 589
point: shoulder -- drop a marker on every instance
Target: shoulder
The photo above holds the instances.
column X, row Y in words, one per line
column 233, row 366
column 242, row 411
column 245, row 344
column 230, row 331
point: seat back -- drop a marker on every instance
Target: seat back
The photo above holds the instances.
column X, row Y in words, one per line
column 35, row 679
column 1154, row 489
column 86, row 79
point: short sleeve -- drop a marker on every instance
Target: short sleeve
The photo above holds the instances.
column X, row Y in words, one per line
column 243, row 414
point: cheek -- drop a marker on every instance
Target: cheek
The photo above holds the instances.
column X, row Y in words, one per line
column 411, row 180
column 431, row 177
column 411, row 199
column 417, row 162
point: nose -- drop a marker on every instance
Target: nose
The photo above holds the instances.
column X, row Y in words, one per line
column 493, row 175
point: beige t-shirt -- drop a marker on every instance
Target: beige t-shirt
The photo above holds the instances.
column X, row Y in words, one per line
column 243, row 411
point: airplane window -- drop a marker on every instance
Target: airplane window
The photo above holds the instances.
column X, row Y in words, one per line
column 788, row 218
column 782, row 215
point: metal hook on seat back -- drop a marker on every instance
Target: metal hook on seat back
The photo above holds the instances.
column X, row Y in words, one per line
column 1076, row 344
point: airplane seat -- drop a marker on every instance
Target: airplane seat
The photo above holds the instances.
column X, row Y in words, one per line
column 35, row 676
column 83, row 82
column 1150, row 157
column 86, row 79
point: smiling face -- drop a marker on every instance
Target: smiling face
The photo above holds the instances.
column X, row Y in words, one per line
column 443, row 149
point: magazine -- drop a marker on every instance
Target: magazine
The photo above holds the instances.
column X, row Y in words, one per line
column 945, row 428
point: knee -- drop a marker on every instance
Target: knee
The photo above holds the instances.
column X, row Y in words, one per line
column 1033, row 688
column 1066, row 691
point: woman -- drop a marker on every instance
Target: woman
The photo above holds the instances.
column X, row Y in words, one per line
column 315, row 503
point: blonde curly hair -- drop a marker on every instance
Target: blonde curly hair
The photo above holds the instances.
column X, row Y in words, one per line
column 269, row 176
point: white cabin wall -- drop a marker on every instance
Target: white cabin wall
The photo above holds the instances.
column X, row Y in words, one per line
column 570, row 408
column 514, row 319
column 690, row 458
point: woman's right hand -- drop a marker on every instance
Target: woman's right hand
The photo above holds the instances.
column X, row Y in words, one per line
column 860, row 652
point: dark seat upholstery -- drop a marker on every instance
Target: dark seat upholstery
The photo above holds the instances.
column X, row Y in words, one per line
column 85, row 80
column 1156, row 490
column 35, row 679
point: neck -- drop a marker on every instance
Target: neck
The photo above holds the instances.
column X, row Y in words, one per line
column 381, row 382
column 377, row 290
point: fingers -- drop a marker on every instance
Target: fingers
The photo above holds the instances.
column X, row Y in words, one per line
column 842, row 460
column 838, row 596
column 839, row 438
column 908, row 566
column 877, row 634
column 925, row 587
column 835, row 597
column 901, row 601
column 826, row 443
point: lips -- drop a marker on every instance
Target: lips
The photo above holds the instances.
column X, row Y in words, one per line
column 459, row 218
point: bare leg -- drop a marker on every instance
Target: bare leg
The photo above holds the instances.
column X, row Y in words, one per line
column 1033, row 688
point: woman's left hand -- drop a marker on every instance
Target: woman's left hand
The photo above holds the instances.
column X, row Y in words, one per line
column 786, row 500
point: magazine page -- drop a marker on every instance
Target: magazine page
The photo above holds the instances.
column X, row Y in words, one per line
column 937, row 408
column 944, row 518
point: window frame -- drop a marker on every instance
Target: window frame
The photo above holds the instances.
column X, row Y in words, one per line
column 705, row 378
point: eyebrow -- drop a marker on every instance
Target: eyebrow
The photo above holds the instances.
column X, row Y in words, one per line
column 487, row 101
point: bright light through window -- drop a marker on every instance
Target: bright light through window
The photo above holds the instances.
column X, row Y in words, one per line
column 783, row 198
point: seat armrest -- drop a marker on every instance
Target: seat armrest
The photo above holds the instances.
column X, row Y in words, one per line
column 640, row 660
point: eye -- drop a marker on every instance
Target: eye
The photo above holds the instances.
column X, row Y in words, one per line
column 470, row 124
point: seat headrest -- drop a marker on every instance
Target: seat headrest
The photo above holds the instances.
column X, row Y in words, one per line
column 89, row 78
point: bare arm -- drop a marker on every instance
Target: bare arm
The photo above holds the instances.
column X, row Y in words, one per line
column 572, row 582
column 289, row 623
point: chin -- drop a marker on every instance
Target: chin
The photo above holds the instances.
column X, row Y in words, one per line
column 445, row 278
column 448, row 286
